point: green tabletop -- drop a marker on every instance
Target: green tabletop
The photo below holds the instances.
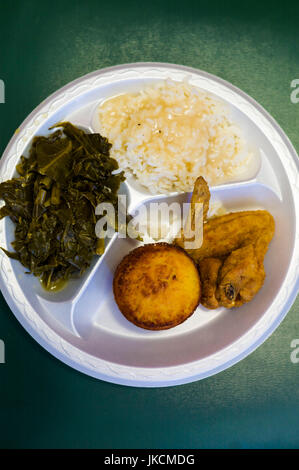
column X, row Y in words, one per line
column 43, row 46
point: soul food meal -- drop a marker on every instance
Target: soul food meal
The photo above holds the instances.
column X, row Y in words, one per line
column 169, row 133
column 229, row 262
column 52, row 202
column 165, row 135
column 157, row 286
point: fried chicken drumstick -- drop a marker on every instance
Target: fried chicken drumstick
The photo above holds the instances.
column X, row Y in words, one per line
column 231, row 256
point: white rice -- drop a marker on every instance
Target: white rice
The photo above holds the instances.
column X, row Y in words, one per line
column 168, row 134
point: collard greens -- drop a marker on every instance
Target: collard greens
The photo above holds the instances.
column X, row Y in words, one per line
column 67, row 174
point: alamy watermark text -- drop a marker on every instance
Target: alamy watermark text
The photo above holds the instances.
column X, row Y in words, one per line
column 295, row 93
column 2, row 92
column 2, row 352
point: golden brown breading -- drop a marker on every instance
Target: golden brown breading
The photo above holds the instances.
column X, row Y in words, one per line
column 242, row 273
column 209, row 269
column 157, row 286
column 240, row 278
column 201, row 195
column 226, row 233
column 232, row 253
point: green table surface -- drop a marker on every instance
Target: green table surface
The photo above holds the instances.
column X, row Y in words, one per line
column 43, row 402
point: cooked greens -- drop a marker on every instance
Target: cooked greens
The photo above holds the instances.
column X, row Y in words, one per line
column 67, row 174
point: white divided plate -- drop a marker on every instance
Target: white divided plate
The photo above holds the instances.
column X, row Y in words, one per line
column 82, row 326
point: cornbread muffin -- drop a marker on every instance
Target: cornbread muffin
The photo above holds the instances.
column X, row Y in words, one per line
column 157, row 286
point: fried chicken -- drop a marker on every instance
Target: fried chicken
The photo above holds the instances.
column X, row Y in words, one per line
column 226, row 233
column 208, row 270
column 198, row 211
column 231, row 256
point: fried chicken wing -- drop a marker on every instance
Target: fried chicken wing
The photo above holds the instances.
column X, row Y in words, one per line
column 240, row 278
column 226, row 233
column 200, row 200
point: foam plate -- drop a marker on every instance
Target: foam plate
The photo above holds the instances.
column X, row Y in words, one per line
column 82, row 326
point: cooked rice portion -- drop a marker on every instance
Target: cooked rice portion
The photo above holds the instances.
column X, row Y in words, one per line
column 168, row 134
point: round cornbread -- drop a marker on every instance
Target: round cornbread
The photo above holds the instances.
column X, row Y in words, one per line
column 157, row 286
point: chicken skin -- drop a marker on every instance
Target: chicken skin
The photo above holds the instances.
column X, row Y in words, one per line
column 231, row 257
column 208, row 270
column 226, row 233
